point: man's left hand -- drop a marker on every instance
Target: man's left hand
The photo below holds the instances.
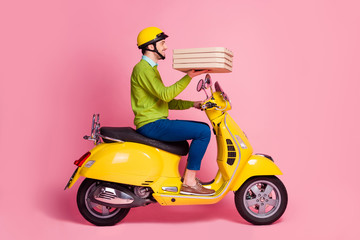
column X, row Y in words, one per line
column 192, row 73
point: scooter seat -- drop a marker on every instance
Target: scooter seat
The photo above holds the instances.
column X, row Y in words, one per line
column 128, row 134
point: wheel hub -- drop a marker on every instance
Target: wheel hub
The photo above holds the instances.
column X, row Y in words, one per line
column 259, row 200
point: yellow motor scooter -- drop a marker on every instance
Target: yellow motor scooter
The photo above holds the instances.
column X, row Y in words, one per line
column 127, row 170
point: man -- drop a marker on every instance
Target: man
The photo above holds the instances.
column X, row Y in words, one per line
column 151, row 101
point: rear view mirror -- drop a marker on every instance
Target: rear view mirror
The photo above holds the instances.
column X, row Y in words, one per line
column 200, row 85
column 208, row 81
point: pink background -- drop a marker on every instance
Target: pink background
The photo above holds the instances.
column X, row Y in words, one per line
column 295, row 92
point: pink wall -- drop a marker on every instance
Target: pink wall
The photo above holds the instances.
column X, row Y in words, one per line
column 294, row 88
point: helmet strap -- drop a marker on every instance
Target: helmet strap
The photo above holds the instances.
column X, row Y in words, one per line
column 156, row 51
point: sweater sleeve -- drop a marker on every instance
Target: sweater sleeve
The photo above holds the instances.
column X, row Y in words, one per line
column 177, row 104
column 153, row 84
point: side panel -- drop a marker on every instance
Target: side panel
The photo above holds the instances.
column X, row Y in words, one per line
column 256, row 166
column 130, row 163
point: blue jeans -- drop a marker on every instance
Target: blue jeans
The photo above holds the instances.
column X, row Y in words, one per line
column 179, row 130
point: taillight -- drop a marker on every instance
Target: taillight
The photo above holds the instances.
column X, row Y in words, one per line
column 80, row 162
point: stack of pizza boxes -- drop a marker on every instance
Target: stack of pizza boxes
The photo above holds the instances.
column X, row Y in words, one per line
column 214, row 59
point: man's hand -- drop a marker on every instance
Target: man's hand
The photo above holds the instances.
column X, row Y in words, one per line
column 197, row 104
column 192, row 73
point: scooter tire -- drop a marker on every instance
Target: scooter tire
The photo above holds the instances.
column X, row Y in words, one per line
column 88, row 211
column 250, row 214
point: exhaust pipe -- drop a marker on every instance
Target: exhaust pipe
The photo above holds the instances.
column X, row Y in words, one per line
column 115, row 196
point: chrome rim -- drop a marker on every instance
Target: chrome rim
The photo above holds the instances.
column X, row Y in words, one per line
column 97, row 210
column 262, row 199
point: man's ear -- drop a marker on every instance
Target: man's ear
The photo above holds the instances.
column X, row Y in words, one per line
column 151, row 47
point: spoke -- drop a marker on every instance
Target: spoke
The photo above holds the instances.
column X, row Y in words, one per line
column 90, row 203
column 105, row 211
column 268, row 189
column 251, row 202
column 255, row 190
column 262, row 209
column 272, row 202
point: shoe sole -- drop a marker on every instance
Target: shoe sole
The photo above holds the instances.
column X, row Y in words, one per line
column 198, row 194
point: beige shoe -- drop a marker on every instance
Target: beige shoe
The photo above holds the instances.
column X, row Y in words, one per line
column 198, row 189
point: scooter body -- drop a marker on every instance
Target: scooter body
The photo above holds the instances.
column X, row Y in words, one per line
column 153, row 173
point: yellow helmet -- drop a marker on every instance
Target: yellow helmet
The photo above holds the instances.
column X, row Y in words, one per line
column 149, row 36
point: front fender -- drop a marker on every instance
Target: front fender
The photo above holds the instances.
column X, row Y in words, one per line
column 257, row 165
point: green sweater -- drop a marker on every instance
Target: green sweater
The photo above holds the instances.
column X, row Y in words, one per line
column 150, row 99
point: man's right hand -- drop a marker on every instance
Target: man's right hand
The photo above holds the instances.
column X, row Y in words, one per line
column 197, row 104
column 192, row 73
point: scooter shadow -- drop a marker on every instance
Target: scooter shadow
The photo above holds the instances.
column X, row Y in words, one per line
column 61, row 206
column 181, row 214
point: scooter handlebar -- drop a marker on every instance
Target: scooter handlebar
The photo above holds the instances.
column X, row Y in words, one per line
column 208, row 105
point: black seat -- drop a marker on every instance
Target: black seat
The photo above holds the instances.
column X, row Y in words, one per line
column 127, row 134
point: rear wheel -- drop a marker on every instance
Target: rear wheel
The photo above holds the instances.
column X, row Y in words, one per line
column 97, row 214
column 261, row 200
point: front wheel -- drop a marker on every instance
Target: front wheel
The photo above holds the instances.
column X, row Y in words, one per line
column 95, row 213
column 261, row 200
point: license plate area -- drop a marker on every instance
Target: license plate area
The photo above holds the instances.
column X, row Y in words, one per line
column 71, row 178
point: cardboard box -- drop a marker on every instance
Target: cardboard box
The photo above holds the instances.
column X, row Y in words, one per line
column 215, row 59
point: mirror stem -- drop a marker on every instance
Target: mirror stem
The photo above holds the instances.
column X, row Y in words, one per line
column 207, row 96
